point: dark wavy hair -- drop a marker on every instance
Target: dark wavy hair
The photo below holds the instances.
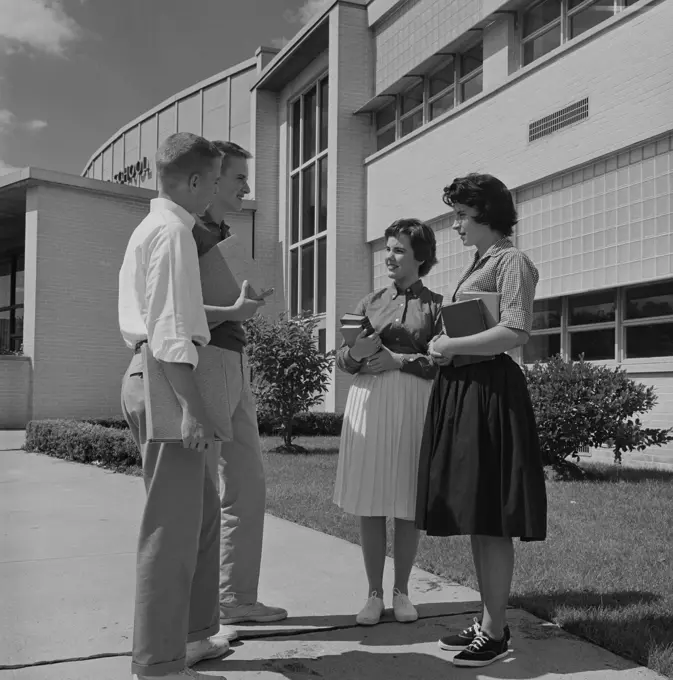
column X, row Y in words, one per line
column 422, row 239
column 489, row 196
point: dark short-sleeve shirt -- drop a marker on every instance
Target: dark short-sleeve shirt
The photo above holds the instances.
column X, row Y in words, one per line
column 207, row 234
column 406, row 321
column 504, row 269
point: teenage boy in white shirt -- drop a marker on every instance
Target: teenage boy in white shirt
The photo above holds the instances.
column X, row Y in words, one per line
column 161, row 304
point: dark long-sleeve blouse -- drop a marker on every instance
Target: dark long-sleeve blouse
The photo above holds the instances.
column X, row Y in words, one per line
column 406, row 322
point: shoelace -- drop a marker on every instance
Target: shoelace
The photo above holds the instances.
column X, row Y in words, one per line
column 474, row 628
column 479, row 641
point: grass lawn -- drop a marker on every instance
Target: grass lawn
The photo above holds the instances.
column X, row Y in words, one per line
column 604, row 573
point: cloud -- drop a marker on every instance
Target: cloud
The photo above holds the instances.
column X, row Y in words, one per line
column 305, row 13
column 35, row 125
column 8, row 120
column 5, row 168
column 280, row 42
column 42, row 25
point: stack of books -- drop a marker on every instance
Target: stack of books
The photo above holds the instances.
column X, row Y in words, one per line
column 352, row 325
column 473, row 313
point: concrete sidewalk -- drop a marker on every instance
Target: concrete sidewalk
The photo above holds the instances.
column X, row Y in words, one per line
column 67, row 578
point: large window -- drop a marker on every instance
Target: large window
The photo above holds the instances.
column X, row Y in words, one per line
column 634, row 323
column 548, row 23
column 11, row 304
column 308, row 201
column 457, row 79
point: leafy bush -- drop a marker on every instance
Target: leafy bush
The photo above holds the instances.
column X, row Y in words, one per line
column 289, row 373
column 579, row 404
column 83, row 442
column 311, row 424
column 115, row 422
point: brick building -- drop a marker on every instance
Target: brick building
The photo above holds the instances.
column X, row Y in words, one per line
column 376, row 105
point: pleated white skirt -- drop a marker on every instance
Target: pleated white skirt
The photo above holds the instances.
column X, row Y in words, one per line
column 380, row 445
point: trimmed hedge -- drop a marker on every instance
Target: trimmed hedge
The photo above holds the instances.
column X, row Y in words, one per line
column 312, row 424
column 83, row 442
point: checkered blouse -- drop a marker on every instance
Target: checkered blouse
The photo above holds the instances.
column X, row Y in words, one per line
column 506, row 270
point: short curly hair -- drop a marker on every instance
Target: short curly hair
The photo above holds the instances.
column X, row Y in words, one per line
column 422, row 239
column 489, row 196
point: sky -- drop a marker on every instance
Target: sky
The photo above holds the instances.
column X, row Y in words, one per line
column 72, row 72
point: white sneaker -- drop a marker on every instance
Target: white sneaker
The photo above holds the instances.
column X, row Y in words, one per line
column 405, row 612
column 251, row 613
column 370, row 615
column 186, row 674
column 211, row 648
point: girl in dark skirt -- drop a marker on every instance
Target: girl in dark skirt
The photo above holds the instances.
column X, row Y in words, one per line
column 481, row 470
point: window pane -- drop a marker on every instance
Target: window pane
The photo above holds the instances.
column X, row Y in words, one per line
column 595, row 345
column 471, row 60
column 472, row 87
column 591, row 16
column 442, row 105
column 324, row 119
column 309, row 124
column 443, row 78
column 655, row 340
column 296, row 132
column 308, row 202
column 412, row 98
column 322, row 209
column 540, row 15
column 18, row 288
column 294, row 217
column 547, row 314
column 385, row 116
column 307, row 277
column 322, row 340
column 534, row 49
column 17, row 332
column 5, row 283
column 592, row 308
column 5, row 342
column 294, row 280
column 413, row 122
column 646, row 301
column 322, row 276
column 385, row 138
column 541, row 347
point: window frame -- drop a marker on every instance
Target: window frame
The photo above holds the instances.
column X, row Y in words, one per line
column 314, row 161
column 620, row 326
column 564, row 20
column 15, row 339
column 459, row 80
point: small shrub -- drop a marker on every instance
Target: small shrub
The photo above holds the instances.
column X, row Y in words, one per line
column 289, row 373
column 83, row 442
column 579, row 404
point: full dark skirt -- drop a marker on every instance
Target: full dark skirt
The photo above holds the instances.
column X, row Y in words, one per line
column 481, row 469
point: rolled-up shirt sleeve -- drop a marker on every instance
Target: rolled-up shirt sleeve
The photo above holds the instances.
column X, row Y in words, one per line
column 172, row 272
column 517, row 278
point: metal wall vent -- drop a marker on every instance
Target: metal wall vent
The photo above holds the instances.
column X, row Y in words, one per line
column 558, row 120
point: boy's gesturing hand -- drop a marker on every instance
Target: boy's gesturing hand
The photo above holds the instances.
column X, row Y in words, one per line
column 247, row 306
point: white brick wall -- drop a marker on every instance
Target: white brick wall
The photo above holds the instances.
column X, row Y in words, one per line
column 625, row 71
column 14, row 392
column 75, row 243
column 350, row 140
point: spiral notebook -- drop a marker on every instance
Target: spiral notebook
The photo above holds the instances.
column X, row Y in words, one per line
column 163, row 411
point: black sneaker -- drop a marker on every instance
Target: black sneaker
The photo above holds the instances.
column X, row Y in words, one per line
column 458, row 641
column 482, row 651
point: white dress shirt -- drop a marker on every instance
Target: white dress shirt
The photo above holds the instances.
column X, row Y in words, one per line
column 160, row 298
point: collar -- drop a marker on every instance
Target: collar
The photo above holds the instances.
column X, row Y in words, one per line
column 499, row 246
column 208, row 220
column 157, row 204
column 413, row 291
